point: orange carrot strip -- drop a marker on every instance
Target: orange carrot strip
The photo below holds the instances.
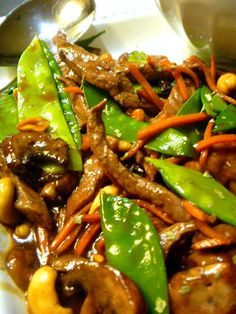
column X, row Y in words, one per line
column 229, row 99
column 154, row 210
column 73, row 89
column 159, row 126
column 100, row 245
column 210, row 243
column 85, row 142
column 196, row 212
column 208, row 230
column 176, row 160
column 148, row 88
column 86, row 238
column 190, row 73
column 206, row 72
column 67, row 229
column 133, row 150
column 204, row 153
column 69, row 240
column 215, row 139
column 96, row 217
column 213, row 68
column 181, row 85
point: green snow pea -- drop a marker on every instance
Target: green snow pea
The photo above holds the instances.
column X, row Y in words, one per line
column 226, row 120
column 205, row 192
column 63, row 96
column 212, row 103
column 8, row 116
column 118, row 124
column 133, row 247
column 38, row 96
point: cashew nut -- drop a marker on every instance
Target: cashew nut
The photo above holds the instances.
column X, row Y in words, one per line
column 41, row 296
column 8, row 214
column 226, row 83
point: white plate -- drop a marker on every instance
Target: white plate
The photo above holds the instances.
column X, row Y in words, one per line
column 129, row 25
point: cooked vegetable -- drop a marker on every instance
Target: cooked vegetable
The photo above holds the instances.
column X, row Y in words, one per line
column 8, row 108
column 204, row 192
column 37, row 96
column 133, row 247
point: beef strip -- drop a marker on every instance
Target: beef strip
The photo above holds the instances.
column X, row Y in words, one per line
column 25, row 147
column 133, row 184
column 208, row 289
column 91, row 181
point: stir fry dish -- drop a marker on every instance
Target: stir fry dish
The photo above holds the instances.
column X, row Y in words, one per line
column 118, row 182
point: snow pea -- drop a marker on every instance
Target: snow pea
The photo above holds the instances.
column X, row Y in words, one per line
column 38, row 96
column 205, row 192
column 63, row 96
column 212, row 103
column 171, row 142
column 133, row 247
column 226, row 120
column 8, row 116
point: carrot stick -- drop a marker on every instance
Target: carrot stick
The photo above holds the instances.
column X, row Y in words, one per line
column 181, row 85
column 96, row 217
column 227, row 98
column 215, row 139
column 204, row 153
column 100, row 245
column 85, row 142
column 138, row 114
column 73, row 89
column 159, row 126
column 206, row 72
column 176, row 160
column 69, row 240
column 148, row 88
column 86, row 238
column 197, row 212
column 208, row 230
column 190, row 73
column 133, row 150
column 213, row 68
column 154, row 210
column 67, row 229
column 210, row 243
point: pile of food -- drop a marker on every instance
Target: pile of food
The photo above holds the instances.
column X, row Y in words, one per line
column 118, row 182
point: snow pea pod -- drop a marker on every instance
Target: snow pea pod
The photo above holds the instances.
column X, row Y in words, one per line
column 8, row 116
column 226, row 120
column 133, row 247
column 118, row 124
column 38, row 96
column 63, row 96
column 204, row 192
column 212, row 103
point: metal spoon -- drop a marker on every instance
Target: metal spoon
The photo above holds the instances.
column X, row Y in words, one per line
column 45, row 18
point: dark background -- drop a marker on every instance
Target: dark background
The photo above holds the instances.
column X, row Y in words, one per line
column 7, row 5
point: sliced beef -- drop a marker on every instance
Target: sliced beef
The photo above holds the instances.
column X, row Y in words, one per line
column 208, row 289
column 25, row 147
column 133, row 184
column 31, row 204
column 90, row 183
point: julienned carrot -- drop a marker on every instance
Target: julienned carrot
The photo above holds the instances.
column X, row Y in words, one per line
column 138, row 114
column 133, row 150
column 205, row 70
column 176, row 160
column 229, row 99
column 213, row 68
column 181, row 85
column 215, row 139
column 209, row 231
column 204, row 153
column 85, row 142
column 154, row 210
column 189, row 72
column 148, row 88
column 68, row 228
column 69, row 240
column 96, row 217
column 196, row 212
column 210, row 243
column 73, row 89
column 161, row 125
column 86, row 238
